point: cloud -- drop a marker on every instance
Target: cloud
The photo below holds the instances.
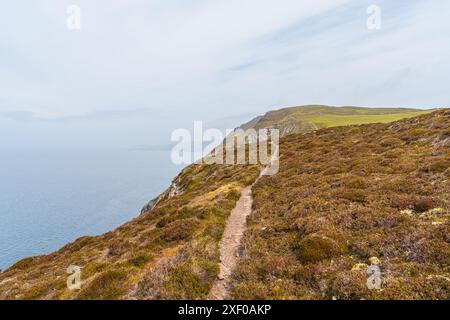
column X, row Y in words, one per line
column 206, row 59
column 26, row 116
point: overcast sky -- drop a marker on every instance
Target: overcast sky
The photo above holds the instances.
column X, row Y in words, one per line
column 139, row 69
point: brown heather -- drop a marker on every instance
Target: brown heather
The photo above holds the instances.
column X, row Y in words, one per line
column 344, row 195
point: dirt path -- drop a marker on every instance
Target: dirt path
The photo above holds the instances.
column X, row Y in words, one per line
column 232, row 236
column 229, row 245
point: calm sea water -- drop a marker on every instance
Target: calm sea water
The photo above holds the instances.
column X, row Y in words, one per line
column 51, row 197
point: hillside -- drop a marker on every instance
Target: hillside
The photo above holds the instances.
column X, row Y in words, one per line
column 170, row 252
column 348, row 194
column 306, row 118
column 352, row 196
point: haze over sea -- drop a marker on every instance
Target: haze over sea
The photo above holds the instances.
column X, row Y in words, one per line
column 51, row 197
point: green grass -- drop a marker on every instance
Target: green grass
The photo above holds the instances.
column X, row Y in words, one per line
column 307, row 118
column 332, row 120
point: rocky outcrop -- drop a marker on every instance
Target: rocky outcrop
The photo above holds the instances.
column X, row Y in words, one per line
column 175, row 189
column 151, row 204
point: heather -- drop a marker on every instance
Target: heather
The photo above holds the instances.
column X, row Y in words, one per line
column 350, row 194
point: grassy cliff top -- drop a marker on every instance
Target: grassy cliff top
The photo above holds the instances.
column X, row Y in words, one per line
column 312, row 117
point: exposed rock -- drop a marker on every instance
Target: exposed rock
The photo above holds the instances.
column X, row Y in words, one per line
column 150, row 205
column 172, row 191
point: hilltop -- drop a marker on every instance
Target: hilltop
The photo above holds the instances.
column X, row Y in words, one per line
column 308, row 118
column 343, row 195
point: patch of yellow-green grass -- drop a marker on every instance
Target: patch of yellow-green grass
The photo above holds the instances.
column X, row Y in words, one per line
column 184, row 283
column 107, row 286
column 35, row 292
column 210, row 197
column 333, row 120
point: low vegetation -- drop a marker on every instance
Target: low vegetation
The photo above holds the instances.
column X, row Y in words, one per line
column 351, row 196
column 169, row 252
column 343, row 197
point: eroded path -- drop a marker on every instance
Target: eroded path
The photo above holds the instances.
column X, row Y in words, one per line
column 234, row 231
column 229, row 245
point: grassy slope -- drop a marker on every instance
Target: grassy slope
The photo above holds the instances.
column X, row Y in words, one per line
column 349, row 194
column 169, row 252
column 306, row 118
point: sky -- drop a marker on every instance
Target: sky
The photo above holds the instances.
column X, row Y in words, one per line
column 138, row 69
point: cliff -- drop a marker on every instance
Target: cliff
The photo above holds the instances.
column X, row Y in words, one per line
column 344, row 195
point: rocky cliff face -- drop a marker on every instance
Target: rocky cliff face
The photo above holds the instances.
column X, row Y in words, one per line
column 174, row 189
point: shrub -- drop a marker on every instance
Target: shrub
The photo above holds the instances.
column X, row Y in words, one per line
column 353, row 195
column 251, row 290
column 180, row 230
column 414, row 135
column 93, row 268
column 22, row 264
column 334, row 170
column 416, row 203
column 233, row 195
column 398, row 185
column 165, row 221
column 140, row 260
column 422, row 204
column 183, row 283
column 390, row 142
column 348, row 285
column 313, row 249
column 430, row 251
column 118, row 248
column 436, row 167
column 109, row 285
column 35, row 293
column 355, row 183
column 307, row 274
column 78, row 244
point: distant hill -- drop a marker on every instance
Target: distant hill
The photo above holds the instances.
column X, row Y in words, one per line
column 307, row 118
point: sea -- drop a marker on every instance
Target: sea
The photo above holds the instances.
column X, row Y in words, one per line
column 50, row 197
